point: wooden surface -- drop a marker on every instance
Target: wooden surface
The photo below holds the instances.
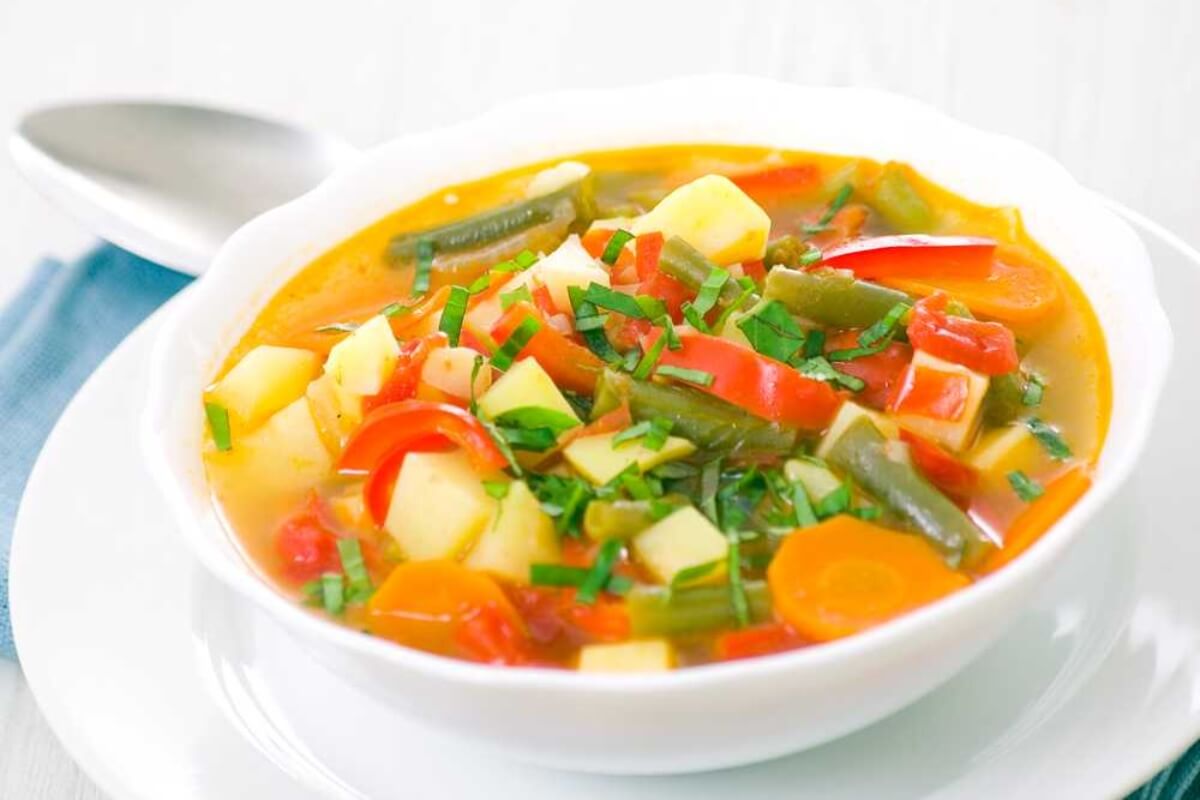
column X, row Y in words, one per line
column 1110, row 87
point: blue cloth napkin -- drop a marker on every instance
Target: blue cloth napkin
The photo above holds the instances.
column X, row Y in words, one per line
column 70, row 316
column 57, row 329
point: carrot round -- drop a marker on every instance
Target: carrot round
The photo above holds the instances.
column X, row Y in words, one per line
column 846, row 575
column 423, row 604
column 1014, row 292
column 1037, row 518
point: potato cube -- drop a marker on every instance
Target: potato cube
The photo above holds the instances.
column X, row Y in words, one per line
column 714, row 216
column 338, row 412
column 955, row 434
column 264, row 381
column 847, row 415
column 684, row 539
column 817, row 480
column 1004, row 450
column 525, row 384
column 518, row 535
column 645, row 655
column 597, row 460
column 569, row 265
column 439, row 507
column 364, row 360
column 449, row 369
column 286, row 453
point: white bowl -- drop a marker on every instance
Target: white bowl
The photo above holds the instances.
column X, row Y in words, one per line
column 703, row 717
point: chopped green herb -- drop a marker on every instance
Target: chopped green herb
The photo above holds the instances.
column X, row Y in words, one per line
column 516, row 341
column 453, row 313
column 481, row 283
column 692, row 573
column 867, row 513
column 835, row 205
column 358, row 580
column 710, row 483
column 600, row 572
column 669, row 333
column 652, row 308
column 660, row 430
column 632, row 432
column 519, row 295
column 772, row 332
column 424, row 266
column 333, row 592
column 822, row 370
column 814, row 343
column 710, row 290
column 810, row 256
column 633, row 482
column 533, row 417
column 525, row 259
column 590, row 324
column 534, row 440
column 748, row 289
column 1026, row 487
column 694, row 317
column 618, row 584
column 562, row 498
column 502, row 445
column 851, row 353
column 604, row 297
column 836, row 502
column 473, row 403
column 616, row 243
column 1035, row 388
column 650, row 359
column 218, row 426
column 497, row 490
column 802, row 505
column 673, row 470
column 395, row 310
column 1050, row 438
column 884, row 327
column 562, row 575
column 631, row 359
column 737, row 592
column 696, row 376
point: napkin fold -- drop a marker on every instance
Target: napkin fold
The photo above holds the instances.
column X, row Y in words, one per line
column 57, row 329
column 63, row 323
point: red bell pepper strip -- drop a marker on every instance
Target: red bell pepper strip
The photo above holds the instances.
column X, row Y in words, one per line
column 648, row 247
column 914, row 256
column 572, row 366
column 407, row 424
column 931, row 393
column 879, row 371
column 943, row 470
column 402, row 384
column 986, row 347
column 762, row 386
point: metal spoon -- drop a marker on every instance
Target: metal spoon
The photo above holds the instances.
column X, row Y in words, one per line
column 169, row 182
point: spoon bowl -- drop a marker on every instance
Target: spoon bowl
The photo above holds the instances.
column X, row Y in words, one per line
column 167, row 181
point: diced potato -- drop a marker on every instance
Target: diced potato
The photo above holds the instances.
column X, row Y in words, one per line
column 596, row 459
column 846, row 416
column 449, row 369
column 525, row 384
column 364, row 360
column 818, row 481
column 714, row 216
column 952, row 434
column 1003, row 450
column 645, row 655
column 557, row 177
column 684, row 539
column 264, row 381
column 284, row 454
column 519, row 534
column 439, row 507
column 569, row 265
column 338, row 412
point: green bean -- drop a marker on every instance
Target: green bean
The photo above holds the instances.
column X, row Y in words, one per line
column 568, row 209
column 1004, row 401
column 787, row 251
column 861, row 452
column 898, row 202
column 831, row 297
column 656, row 611
column 622, row 519
column 711, row 424
column 688, row 265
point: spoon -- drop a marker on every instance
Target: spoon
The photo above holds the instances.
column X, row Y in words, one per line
column 169, row 182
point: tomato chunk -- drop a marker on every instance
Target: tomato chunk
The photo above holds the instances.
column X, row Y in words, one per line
column 306, row 545
column 986, row 347
column 930, row 393
column 648, row 247
column 402, row 384
column 762, row 386
column 760, row 640
column 914, row 256
column 943, row 470
column 879, row 371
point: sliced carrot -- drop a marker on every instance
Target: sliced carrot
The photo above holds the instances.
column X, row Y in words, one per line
column 1037, row 518
column 846, row 575
column 779, row 180
column 423, row 604
column 1014, row 292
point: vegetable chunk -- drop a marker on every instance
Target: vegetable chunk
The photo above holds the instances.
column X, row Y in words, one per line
column 714, row 216
column 518, row 535
column 264, row 381
column 647, row 655
column 684, row 539
column 525, row 385
column 362, row 362
column 439, row 506
column 599, row 461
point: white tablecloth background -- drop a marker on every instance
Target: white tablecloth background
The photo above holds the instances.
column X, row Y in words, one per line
column 1110, row 87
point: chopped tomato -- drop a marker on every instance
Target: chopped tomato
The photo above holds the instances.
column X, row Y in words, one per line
column 930, row 393
column 648, row 248
column 402, row 385
column 377, row 490
column 760, row 640
column 543, row 301
column 553, row 615
column 943, row 470
column 604, row 620
column 879, row 371
column 490, row 636
column 755, row 271
column 914, row 256
column 672, row 292
column 779, row 180
column 595, row 240
column 760, row 385
column 306, row 545
column 402, row 426
column 986, row 347
column 571, row 365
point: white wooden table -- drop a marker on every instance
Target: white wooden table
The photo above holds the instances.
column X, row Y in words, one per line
column 1110, row 87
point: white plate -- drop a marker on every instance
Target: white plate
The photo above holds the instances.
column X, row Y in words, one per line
column 160, row 690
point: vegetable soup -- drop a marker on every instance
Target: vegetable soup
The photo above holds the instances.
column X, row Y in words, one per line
column 655, row 408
